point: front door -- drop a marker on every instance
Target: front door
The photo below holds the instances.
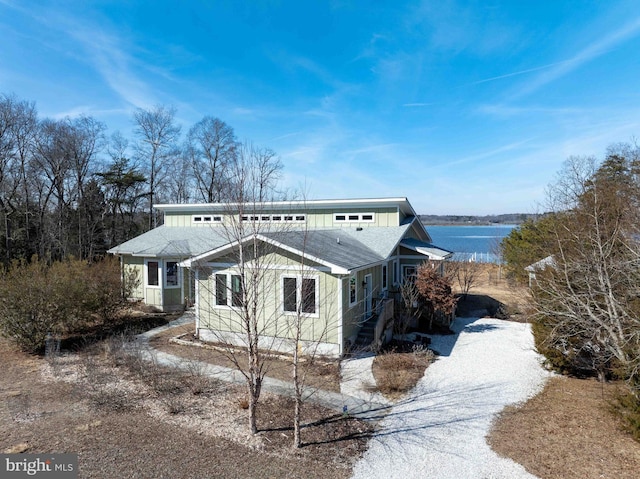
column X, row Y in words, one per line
column 367, row 296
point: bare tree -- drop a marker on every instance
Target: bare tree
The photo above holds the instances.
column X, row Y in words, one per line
column 465, row 273
column 587, row 300
column 244, row 325
column 211, row 147
column 157, row 137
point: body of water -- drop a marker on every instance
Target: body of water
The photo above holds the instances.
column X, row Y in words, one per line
column 479, row 243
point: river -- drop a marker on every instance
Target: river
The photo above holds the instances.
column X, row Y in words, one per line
column 478, row 243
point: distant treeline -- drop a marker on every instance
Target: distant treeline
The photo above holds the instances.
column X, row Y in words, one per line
column 509, row 219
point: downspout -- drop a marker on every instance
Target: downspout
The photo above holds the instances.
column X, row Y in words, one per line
column 340, row 317
column 122, row 279
column 195, row 301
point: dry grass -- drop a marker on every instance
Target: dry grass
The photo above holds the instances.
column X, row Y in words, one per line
column 568, row 431
column 397, row 373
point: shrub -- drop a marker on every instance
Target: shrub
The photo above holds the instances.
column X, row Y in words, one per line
column 61, row 298
column 627, row 406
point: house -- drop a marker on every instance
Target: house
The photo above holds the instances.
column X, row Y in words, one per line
column 334, row 262
column 532, row 269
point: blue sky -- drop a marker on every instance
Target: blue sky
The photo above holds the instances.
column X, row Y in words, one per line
column 464, row 107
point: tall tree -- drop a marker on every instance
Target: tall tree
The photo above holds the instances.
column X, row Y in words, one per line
column 157, row 135
column 211, row 146
column 124, row 190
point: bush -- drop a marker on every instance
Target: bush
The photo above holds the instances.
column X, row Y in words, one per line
column 627, row 406
column 61, row 298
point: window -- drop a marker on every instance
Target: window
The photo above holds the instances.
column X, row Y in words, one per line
column 152, row 273
column 221, row 289
column 384, row 276
column 395, row 272
column 236, row 290
column 408, row 273
column 228, row 287
column 352, row 290
column 171, row 273
column 290, row 288
column 353, row 218
column 206, row 219
column 299, row 294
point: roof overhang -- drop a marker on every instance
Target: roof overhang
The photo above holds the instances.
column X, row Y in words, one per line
column 402, row 203
column 428, row 250
column 204, row 257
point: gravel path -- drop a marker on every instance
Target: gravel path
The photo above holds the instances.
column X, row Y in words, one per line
column 439, row 429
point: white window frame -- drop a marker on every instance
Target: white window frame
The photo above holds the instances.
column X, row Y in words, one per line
column 353, row 217
column 146, row 273
column 206, row 219
column 299, row 278
column 384, row 279
column 275, row 218
column 228, row 288
column 395, row 273
column 165, row 270
column 406, row 267
column 353, row 277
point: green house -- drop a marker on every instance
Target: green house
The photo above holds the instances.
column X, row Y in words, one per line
column 326, row 267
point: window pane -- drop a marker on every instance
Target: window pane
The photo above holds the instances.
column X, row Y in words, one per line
column 384, row 276
column 289, row 287
column 221, row 289
column 236, row 290
column 152, row 273
column 352, row 290
column 308, row 295
column 172, row 273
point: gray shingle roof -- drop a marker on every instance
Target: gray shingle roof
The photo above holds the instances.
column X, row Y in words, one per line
column 166, row 242
column 346, row 248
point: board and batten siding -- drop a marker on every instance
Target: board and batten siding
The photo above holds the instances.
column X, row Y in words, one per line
column 315, row 218
column 322, row 327
column 353, row 315
column 134, row 272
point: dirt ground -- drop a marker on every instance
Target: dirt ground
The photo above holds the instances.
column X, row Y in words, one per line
column 567, row 431
column 321, row 373
column 137, row 432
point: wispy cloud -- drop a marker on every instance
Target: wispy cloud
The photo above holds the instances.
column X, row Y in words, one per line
column 587, row 54
column 521, row 72
column 416, row 105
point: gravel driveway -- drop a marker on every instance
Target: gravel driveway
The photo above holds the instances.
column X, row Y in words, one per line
column 438, row 430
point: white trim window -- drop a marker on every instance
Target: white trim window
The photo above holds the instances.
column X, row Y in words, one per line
column 395, row 273
column 409, row 272
column 300, row 294
column 153, row 273
column 385, row 278
column 199, row 219
column 275, row 218
column 353, row 290
column 228, row 290
column 354, row 217
column 171, row 274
